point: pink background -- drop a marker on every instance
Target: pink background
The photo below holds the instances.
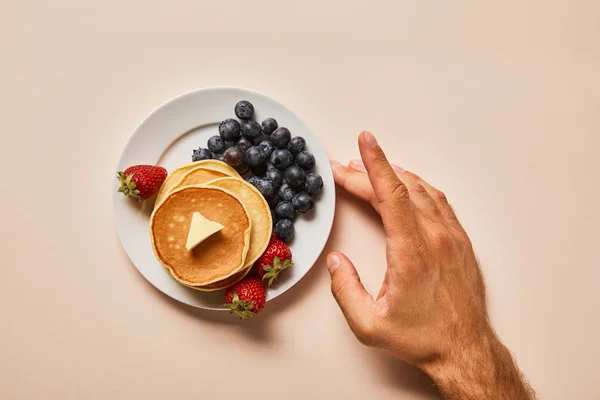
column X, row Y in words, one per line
column 496, row 104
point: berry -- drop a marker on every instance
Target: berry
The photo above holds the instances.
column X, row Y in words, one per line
column 242, row 169
column 201, row 154
column 314, row 183
column 281, row 158
column 285, row 209
column 294, row 176
column 272, row 201
column 269, row 125
column 141, row 181
column 284, row 229
column 229, row 130
column 265, row 187
column 305, row 160
column 303, row 202
column 229, row 144
column 244, row 110
column 246, row 298
column 286, row 193
column 275, row 259
column 280, row 137
column 234, row 156
column 219, row 157
column 259, row 169
column 216, row 144
column 255, row 156
column 296, row 144
column 275, row 176
column 252, row 179
column 243, row 144
column 273, row 216
column 250, row 129
column 267, row 146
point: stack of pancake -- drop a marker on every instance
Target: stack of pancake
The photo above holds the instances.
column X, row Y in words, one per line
column 216, row 191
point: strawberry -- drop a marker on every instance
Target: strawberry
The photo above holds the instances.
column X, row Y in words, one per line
column 246, row 298
column 275, row 259
column 141, row 181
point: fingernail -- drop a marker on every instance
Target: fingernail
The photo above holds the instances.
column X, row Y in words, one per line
column 333, row 262
column 397, row 169
column 358, row 165
column 335, row 163
column 370, row 139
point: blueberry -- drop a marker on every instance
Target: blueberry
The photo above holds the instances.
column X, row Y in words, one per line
column 305, row 160
column 259, row 169
column 244, row 110
column 303, row 202
column 229, row 144
column 250, row 129
column 296, row 144
column 285, row 210
column 280, row 137
column 267, row 146
column 229, row 129
column 314, row 183
column 243, row 144
column 265, row 187
column 255, row 156
column 219, row 156
column 269, row 125
column 275, row 176
column 252, row 179
column 234, row 156
column 216, row 144
column 201, row 154
column 286, row 193
column 281, row 158
column 242, row 169
column 294, row 176
column 272, row 201
column 284, row 230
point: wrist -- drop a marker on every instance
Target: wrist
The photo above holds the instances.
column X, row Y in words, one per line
column 478, row 367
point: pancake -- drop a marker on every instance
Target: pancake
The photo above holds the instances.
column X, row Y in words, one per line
column 225, row 283
column 216, row 258
column 262, row 225
column 175, row 176
column 259, row 212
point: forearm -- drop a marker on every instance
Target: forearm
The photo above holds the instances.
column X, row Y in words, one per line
column 483, row 370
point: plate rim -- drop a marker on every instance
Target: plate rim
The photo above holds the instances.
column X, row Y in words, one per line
column 128, row 143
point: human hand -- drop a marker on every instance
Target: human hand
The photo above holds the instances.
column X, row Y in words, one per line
column 431, row 309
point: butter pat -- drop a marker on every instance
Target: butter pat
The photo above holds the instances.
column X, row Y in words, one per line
column 200, row 228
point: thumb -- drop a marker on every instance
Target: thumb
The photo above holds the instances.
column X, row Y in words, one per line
column 352, row 297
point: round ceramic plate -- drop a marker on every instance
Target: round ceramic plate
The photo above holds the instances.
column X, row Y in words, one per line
column 167, row 137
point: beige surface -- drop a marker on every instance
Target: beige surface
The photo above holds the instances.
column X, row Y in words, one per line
column 496, row 104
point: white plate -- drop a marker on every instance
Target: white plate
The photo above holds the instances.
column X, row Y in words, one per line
column 167, row 137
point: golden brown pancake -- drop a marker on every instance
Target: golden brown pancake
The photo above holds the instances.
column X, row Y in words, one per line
column 225, row 283
column 176, row 175
column 259, row 212
column 262, row 224
column 216, row 258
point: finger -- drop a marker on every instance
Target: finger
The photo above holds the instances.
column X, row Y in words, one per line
column 360, row 166
column 352, row 297
column 439, row 198
column 421, row 196
column 394, row 200
column 355, row 183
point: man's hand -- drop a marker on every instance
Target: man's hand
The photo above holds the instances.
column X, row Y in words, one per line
column 431, row 309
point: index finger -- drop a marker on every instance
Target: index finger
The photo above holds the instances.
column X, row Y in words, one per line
column 393, row 196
